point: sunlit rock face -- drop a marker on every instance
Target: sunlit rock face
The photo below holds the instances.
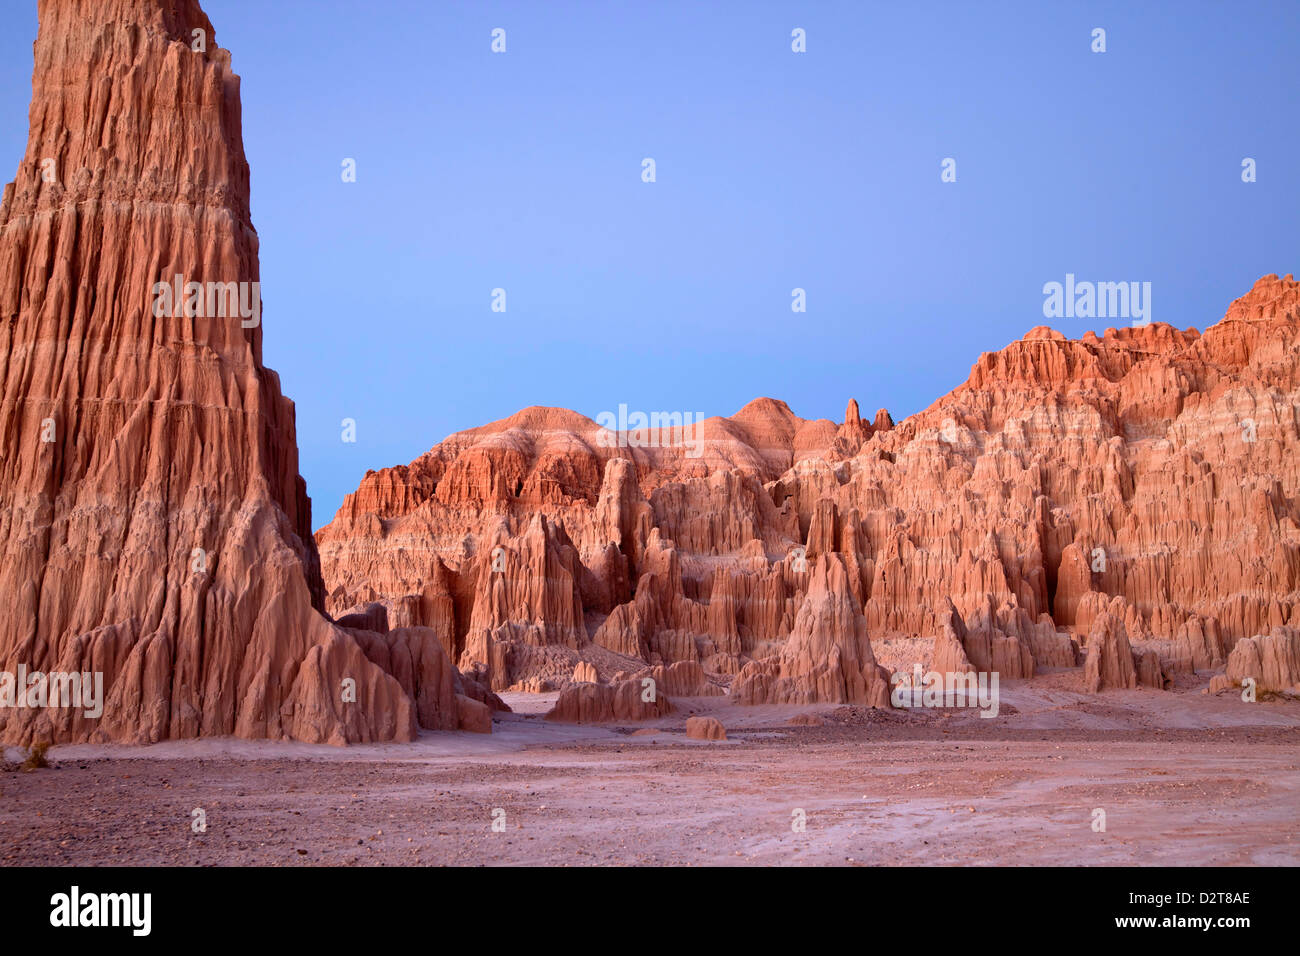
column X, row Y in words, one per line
column 1146, row 474
column 153, row 526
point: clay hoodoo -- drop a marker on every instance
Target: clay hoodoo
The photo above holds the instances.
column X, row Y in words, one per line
column 153, row 525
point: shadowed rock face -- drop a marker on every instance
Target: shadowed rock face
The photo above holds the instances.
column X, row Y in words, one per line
column 153, row 526
column 1148, row 475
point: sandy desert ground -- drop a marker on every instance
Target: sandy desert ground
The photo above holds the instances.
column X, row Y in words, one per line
column 1183, row 778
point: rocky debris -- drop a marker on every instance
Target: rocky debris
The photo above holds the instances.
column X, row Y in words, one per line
column 607, row 703
column 705, row 728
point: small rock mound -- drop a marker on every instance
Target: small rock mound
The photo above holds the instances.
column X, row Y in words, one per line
column 806, row 720
column 473, row 715
column 705, row 728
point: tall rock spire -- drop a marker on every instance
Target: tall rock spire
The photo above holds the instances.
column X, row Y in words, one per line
column 153, row 526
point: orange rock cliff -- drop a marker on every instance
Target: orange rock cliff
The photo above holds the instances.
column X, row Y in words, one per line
column 1129, row 499
column 153, row 524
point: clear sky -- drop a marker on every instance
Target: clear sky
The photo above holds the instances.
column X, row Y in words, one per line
column 775, row 170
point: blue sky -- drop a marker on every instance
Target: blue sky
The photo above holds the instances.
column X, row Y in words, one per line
column 775, row 170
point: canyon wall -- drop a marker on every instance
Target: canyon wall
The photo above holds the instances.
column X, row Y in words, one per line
column 1146, row 476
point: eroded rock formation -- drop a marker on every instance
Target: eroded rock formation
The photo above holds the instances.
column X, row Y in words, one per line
column 153, row 526
column 1273, row 660
column 628, row 700
column 1147, row 476
column 705, row 728
column 828, row 657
